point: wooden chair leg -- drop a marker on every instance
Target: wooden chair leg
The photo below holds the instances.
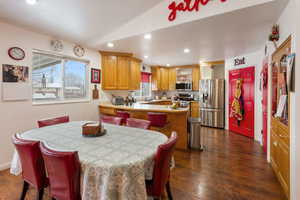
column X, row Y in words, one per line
column 39, row 195
column 169, row 191
column 24, row 190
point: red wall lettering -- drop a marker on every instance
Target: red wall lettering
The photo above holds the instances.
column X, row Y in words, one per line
column 186, row 5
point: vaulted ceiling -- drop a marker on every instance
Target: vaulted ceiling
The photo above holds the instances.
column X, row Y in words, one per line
column 217, row 31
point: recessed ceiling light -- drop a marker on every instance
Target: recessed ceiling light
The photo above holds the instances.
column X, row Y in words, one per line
column 148, row 36
column 186, row 50
column 110, row 44
column 146, row 57
column 168, row 65
column 31, row 2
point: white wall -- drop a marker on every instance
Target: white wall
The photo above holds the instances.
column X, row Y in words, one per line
column 252, row 59
column 22, row 115
column 288, row 24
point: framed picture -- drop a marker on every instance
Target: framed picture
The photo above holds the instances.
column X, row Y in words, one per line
column 15, row 74
column 95, row 75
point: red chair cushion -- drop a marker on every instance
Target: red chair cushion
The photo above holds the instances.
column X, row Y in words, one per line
column 157, row 119
column 161, row 171
column 138, row 123
column 33, row 169
column 50, row 122
column 64, row 170
column 111, row 120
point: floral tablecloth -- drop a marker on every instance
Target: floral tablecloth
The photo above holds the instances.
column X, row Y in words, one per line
column 114, row 166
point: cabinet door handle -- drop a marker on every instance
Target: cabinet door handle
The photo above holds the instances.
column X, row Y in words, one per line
column 275, row 144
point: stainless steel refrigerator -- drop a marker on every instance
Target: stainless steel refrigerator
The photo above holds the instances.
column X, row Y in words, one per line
column 212, row 102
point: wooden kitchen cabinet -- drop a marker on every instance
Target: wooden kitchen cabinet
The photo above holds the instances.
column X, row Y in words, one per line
column 120, row 71
column 109, row 72
column 164, row 78
column 195, row 109
column 155, row 78
column 123, row 70
column 135, row 74
column 280, row 134
column 196, row 77
column 172, row 78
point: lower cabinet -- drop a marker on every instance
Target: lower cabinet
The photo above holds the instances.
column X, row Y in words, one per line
column 195, row 109
column 280, row 154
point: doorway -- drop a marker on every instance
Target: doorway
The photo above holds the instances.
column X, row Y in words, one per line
column 245, row 124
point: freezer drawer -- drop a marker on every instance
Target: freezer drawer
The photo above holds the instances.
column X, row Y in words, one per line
column 212, row 117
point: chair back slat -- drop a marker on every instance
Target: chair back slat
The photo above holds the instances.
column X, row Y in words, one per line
column 53, row 121
column 163, row 159
column 64, row 170
column 138, row 123
column 111, row 120
column 33, row 169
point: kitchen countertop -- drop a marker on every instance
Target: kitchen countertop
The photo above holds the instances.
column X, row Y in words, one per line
column 145, row 107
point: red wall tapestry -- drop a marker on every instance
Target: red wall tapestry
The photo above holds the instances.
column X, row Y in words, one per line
column 246, row 125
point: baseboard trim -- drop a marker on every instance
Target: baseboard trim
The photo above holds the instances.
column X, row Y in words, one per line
column 4, row 166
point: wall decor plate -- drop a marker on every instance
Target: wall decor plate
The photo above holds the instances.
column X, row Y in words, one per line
column 16, row 53
column 57, row 45
column 79, row 51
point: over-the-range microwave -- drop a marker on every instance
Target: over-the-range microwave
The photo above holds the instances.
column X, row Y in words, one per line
column 184, row 86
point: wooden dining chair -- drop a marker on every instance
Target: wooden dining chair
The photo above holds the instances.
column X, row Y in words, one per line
column 33, row 169
column 111, row 120
column 161, row 173
column 138, row 123
column 63, row 170
column 124, row 115
column 53, row 121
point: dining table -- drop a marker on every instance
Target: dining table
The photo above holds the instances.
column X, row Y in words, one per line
column 113, row 166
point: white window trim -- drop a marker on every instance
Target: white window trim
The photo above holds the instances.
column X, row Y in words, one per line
column 71, row 101
column 61, row 102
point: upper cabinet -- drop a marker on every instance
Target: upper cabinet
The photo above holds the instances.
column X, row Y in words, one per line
column 120, row 71
column 135, row 74
column 172, row 79
column 165, row 78
column 196, row 77
column 109, row 72
column 155, row 79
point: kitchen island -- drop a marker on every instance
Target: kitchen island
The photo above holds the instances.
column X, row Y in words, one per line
column 177, row 118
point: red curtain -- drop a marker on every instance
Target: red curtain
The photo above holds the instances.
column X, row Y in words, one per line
column 146, row 77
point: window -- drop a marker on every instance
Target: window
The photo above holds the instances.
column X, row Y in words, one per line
column 145, row 88
column 56, row 78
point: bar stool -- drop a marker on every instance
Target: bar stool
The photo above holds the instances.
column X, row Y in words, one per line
column 124, row 115
column 158, row 121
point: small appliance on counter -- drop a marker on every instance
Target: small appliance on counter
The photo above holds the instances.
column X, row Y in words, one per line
column 185, row 97
column 184, row 104
column 117, row 100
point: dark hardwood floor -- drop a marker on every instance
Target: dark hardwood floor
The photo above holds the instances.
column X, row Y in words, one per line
column 232, row 167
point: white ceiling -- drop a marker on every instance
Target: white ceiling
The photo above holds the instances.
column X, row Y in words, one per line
column 74, row 20
column 209, row 39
